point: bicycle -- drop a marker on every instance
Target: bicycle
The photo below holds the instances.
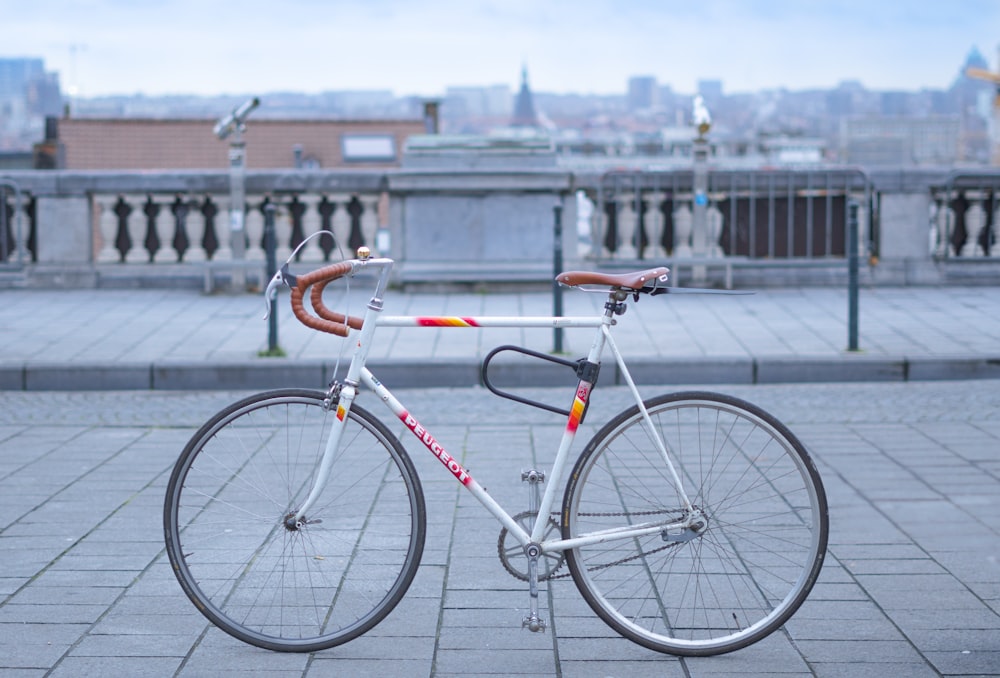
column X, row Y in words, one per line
column 692, row 523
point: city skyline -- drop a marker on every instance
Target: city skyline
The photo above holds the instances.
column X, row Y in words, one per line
column 115, row 47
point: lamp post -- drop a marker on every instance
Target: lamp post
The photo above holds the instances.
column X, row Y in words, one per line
column 699, row 208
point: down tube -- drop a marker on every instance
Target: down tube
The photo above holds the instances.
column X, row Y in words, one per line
column 453, row 465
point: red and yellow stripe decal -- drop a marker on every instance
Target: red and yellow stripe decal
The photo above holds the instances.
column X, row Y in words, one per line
column 579, row 405
column 446, row 321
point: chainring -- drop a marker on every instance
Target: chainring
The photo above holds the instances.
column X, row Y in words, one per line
column 508, row 548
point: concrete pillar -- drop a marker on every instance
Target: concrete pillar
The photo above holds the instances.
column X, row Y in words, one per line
column 63, row 229
column 904, row 245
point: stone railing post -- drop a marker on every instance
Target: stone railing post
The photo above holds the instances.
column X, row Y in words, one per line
column 369, row 218
column 654, row 225
column 628, row 226
column 223, row 232
column 253, row 224
column 283, row 234
column 194, row 226
column 312, row 222
column 975, row 221
column 683, row 228
column 713, row 232
column 165, row 224
column 108, row 227
column 340, row 224
column 136, row 224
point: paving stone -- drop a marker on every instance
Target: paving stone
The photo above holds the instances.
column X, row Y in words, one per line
column 909, row 587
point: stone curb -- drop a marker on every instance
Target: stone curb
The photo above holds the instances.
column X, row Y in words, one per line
column 504, row 373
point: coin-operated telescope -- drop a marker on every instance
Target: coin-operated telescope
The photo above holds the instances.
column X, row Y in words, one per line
column 235, row 121
column 232, row 127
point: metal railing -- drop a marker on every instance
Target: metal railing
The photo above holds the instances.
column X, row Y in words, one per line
column 753, row 214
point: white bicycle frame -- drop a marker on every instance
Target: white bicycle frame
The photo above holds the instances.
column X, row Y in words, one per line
column 359, row 375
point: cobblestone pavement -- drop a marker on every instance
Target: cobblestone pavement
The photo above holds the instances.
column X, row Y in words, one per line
column 911, row 585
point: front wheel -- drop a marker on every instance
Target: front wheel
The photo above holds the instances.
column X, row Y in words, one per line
column 757, row 505
column 252, row 569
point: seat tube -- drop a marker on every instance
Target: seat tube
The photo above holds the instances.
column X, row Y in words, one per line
column 580, row 400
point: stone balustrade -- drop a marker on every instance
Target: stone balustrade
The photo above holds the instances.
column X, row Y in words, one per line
column 964, row 214
column 917, row 226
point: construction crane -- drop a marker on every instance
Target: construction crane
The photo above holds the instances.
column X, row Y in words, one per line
column 990, row 76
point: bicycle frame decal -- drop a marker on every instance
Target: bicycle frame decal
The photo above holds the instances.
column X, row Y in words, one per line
column 579, row 405
column 435, row 447
column 446, row 321
column 341, row 412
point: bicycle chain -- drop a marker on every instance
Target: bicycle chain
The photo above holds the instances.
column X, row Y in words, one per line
column 552, row 575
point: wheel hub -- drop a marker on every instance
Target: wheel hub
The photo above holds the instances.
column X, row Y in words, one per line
column 293, row 525
column 697, row 525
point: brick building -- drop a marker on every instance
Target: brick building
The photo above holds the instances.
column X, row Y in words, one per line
column 156, row 144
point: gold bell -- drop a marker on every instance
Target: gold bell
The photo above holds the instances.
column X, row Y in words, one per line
column 364, row 253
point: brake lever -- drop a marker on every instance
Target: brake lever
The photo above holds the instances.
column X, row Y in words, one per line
column 281, row 277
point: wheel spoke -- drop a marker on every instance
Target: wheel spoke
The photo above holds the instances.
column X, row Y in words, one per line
column 284, row 587
column 725, row 585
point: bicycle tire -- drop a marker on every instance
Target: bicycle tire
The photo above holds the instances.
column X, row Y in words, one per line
column 293, row 589
column 729, row 585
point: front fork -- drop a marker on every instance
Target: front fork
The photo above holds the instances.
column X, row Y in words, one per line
column 338, row 400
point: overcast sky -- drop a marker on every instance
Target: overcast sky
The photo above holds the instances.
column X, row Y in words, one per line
column 423, row 46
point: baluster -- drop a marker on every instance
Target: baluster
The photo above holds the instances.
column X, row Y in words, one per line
column 108, row 227
column 326, row 210
column 165, row 224
column 714, row 232
column 22, row 242
column 942, row 220
column 254, row 225
column 136, row 224
column 628, row 227
column 194, row 226
column 683, row 227
column 975, row 220
column 312, row 221
column 654, row 226
column 341, row 225
column 223, row 232
column 369, row 218
column 282, row 234
column 608, row 219
column 586, row 225
column 950, row 228
column 991, row 233
column 355, row 209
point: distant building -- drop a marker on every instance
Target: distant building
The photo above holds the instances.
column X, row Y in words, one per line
column 524, row 106
column 643, row 93
column 482, row 102
column 869, row 140
column 710, row 90
column 28, row 94
column 150, row 144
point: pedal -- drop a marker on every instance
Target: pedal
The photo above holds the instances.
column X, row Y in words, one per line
column 534, row 623
column 532, row 476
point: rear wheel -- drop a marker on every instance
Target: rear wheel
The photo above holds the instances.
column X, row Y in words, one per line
column 753, row 553
column 246, row 564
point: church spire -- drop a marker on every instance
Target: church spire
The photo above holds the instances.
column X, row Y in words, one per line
column 524, row 107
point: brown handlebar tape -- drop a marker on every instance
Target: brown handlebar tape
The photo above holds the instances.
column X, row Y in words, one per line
column 328, row 321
